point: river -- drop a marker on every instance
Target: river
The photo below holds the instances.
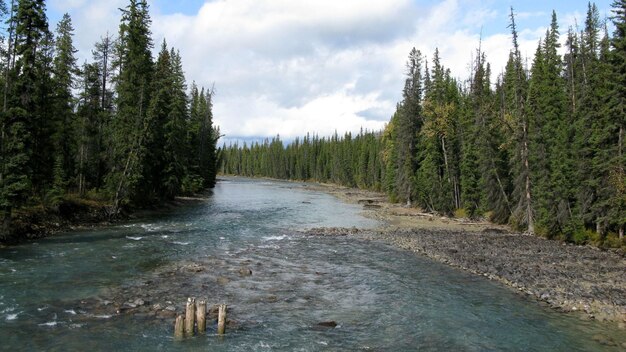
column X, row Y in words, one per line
column 380, row 297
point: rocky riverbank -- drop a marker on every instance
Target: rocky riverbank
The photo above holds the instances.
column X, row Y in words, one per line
column 72, row 214
column 566, row 277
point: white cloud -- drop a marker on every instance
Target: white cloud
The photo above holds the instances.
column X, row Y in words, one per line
column 290, row 67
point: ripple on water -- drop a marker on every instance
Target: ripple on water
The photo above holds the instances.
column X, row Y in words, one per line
column 13, row 316
column 151, row 227
column 50, row 324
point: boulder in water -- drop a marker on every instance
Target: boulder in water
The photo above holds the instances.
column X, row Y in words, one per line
column 328, row 324
column 245, row 271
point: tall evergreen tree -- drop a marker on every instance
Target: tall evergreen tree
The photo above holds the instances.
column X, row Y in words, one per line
column 64, row 71
column 408, row 124
column 31, row 87
column 515, row 87
column 15, row 155
column 617, row 120
column 130, row 126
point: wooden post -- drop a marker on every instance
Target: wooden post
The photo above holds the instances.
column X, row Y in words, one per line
column 179, row 331
column 201, row 316
column 221, row 319
column 190, row 315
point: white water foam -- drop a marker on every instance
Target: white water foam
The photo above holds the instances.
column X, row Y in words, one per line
column 151, row 227
column 102, row 316
column 70, row 311
column 11, row 317
column 49, row 324
column 180, row 243
column 138, row 238
column 274, row 238
column 7, row 310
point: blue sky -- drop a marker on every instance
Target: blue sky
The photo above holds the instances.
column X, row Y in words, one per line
column 291, row 67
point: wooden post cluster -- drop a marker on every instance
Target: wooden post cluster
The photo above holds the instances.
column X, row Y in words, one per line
column 195, row 319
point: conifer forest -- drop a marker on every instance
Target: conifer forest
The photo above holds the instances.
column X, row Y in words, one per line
column 540, row 148
column 123, row 128
column 263, row 175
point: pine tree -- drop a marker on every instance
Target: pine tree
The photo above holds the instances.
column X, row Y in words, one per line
column 514, row 89
column 64, row 71
column 408, row 123
column 31, row 86
column 90, row 131
column 102, row 54
column 15, row 155
column 130, row 126
column 617, row 120
column 437, row 176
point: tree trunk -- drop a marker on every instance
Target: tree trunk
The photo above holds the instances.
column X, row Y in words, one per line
column 529, row 209
column 408, row 197
column 10, row 50
column 445, row 161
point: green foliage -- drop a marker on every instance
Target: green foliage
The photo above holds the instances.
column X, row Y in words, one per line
column 15, row 155
column 542, row 149
column 66, row 133
column 345, row 160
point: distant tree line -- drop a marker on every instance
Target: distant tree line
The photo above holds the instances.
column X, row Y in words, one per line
column 121, row 128
column 541, row 148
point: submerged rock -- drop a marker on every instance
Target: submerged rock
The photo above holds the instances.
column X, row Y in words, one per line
column 328, row 324
column 223, row 280
column 604, row 340
column 245, row 271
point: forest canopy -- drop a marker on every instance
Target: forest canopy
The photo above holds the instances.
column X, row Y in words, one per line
column 540, row 148
column 123, row 128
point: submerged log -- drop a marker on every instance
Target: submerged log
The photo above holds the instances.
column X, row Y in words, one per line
column 190, row 315
column 201, row 316
column 221, row 319
column 179, row 330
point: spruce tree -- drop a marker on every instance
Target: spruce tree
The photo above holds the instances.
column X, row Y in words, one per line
column 31, row 87
column 514, row 111
column 408, row 124
column 64, row 123
column 15, row 155
column 130, row 126
column 617, row 120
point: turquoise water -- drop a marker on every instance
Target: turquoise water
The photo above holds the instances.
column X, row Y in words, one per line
column 382, row 299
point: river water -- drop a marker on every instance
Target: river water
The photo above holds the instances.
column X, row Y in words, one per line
column 382, row 299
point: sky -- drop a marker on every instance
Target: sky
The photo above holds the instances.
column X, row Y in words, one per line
column 289, row 67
